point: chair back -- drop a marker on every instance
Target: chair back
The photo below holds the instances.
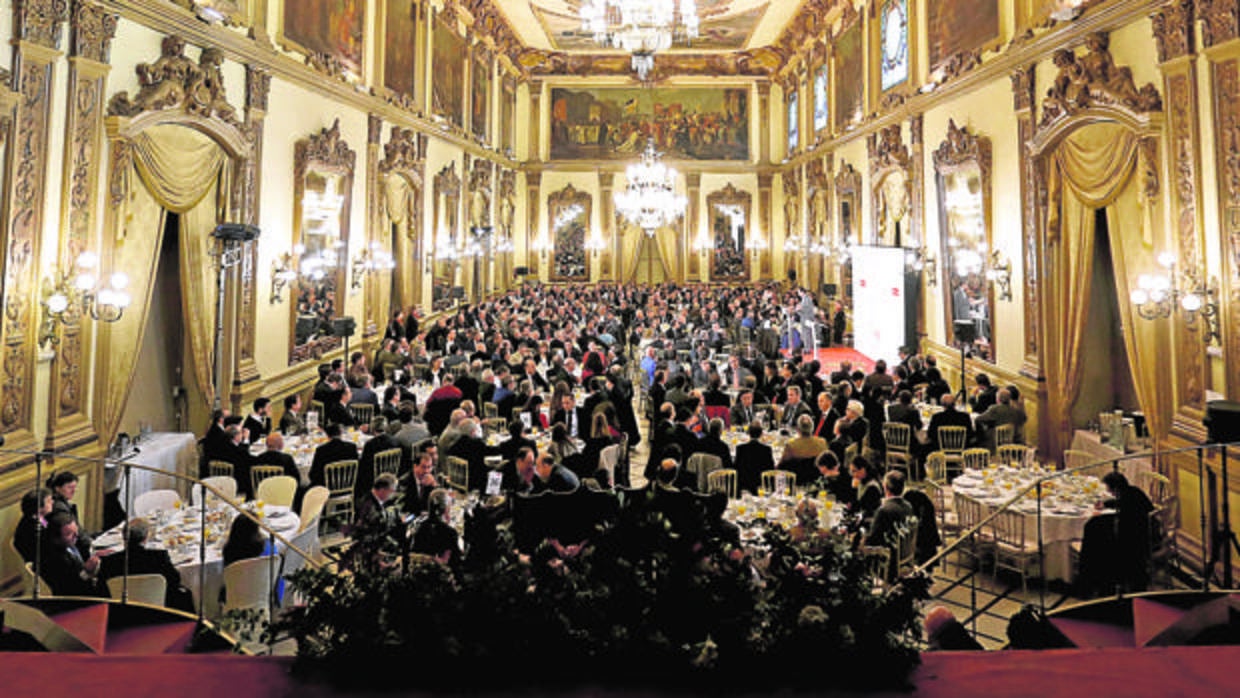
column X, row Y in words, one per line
column 258, row 473
column 952, row 439
column 975, row 458
column 219, row 468
column 1015, row 455
column 30, row 579
column 1157, row 486
column 312, row 505
column 494, row 425
column 155, row 500
column 607, row 460
column 722, row 480
column 387, row 462
column 144, row 588
column 226, row 485
column 279, row 490
column 719, row 412
column 318, row 408
column 1009, row 528
column 906, row 545
column 490, row 410
column 770, row 478
column 701, row 464
column 307, row 541
column 850, row 454
column 362, row 413
column 249, row 583
column 1005, row 434
column 936, row 467
column 1076, row 459
column 898, row 436
column 457, row 470
column 878, row 562
column 340, row 476
column 969, row 512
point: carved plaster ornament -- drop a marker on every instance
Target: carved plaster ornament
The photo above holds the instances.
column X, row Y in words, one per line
column 1094, row 79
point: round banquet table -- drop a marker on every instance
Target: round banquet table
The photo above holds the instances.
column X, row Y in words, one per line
column 179, row 532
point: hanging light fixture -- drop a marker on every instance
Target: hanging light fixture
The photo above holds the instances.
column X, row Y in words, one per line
column 649, row 199
column 640, row 27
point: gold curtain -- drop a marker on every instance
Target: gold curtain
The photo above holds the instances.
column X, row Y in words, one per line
column 180, row 170
column 397, row 204
column 1091, row 169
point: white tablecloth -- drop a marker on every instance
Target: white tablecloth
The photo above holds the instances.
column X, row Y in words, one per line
column 171, row 452
column 1065, row 510
column 1090, row 442
column 202, row 575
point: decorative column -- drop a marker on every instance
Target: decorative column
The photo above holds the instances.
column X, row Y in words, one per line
column 535, row 149
column 1175, row 35
column 607, row 218
column 37, row 27
column 762, row 269
column 1024, row 87
column 375, row 310
column 693, row 190
column 1221, row 38
column 92, row 31
column 764, row 117
column 917, row 212
column 245, row 374
column 533, row 202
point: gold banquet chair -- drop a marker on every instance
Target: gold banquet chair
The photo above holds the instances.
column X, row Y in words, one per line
column 702, row 465
column 219, row 468
column 340, row 477
column 457, row 470
column 975, row 459
column 952, row 442
column 1015, row 455
column 723, row 480
column 387, row 462
column 277, row 491
column 258, row 473
column 769, row 478
column 898, row 437
column 1005, row 434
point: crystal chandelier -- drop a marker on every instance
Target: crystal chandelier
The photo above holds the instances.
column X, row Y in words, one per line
column 640, row 27
column 649, row 199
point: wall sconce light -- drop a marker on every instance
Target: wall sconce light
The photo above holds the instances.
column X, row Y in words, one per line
column 820, row 247
column 102, row 302
column 373, row 258
column 541, row 245
column 923, row 261
column 1158, row 295
column 999, row 273
column 596, row 244
column 283, row 273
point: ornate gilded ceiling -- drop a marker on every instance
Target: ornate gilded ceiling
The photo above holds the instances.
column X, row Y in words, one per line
column 726, row 25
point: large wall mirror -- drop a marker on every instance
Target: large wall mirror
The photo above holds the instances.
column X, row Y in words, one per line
column 729, row 210
column 569, row 214
column 962, row 168
column 848, row 222
column 447, row 230
column 322, row 188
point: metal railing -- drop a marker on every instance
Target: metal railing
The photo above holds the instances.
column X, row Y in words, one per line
column 282, row 547
column 1214, row 544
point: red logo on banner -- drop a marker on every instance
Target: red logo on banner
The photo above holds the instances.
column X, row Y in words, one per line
column 895, row 292
column 862, row 283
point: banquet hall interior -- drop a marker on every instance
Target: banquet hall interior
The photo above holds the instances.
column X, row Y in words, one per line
column 208, row 202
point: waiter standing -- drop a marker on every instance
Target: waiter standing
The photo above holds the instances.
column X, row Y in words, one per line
column 807, row 313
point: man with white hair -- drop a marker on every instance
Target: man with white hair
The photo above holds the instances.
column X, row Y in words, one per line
column 850, row 429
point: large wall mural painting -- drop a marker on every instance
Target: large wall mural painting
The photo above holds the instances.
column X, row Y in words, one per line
column 334, row 28
column 685, row 123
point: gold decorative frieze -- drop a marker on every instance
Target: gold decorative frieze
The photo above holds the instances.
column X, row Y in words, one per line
column 887, row 149
column 93, row 30
column 1220, row 21
column 40, row 21
column 1175, row 30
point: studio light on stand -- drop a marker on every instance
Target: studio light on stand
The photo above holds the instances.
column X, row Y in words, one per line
column 232, row 239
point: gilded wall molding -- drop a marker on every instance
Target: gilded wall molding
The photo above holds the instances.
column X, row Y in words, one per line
column 1024, row 89
column 962, row 147
column 889, row 157
column 1220, row 21
column 40, row 22
column 257, row 92
column 1225, row 76
column 38, row 26
column 404, row 158
column 92, row 31
column 1175, row 30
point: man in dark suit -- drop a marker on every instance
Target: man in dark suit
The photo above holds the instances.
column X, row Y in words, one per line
column 468, row 384
column 258, row 423
column 949, row 417
column 215, row 443
column 505, row 398
column 28, row 536
column 984, row 394
column 999, row 414
column 712, row 443
column 535, row 378
column 892, row 513
column 143, row 560
column 470, row 446
column 902, row 411
column 63, row 567
column 663, row 435
column 381, row 442
column 752, row 459
column 832, row 481
column 336, row 408
column 421, row 483
column 336, row 449
column 793, row 409
column 553, row 477
column 574, row 420
column 291, row 422
column 274, row 455
column 234, row 451
column 742, row 411
column 517, row 440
